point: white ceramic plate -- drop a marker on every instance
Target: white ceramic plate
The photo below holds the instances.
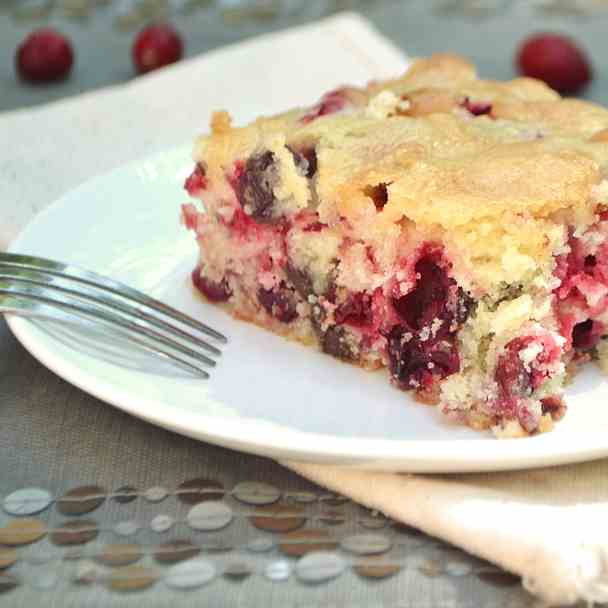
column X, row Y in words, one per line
column 267, row 396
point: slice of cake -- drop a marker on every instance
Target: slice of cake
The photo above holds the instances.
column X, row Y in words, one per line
column 450, row 229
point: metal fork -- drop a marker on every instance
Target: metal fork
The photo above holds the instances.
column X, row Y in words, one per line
column 39, row 287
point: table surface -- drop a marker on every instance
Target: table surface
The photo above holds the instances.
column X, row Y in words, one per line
column 52, row 435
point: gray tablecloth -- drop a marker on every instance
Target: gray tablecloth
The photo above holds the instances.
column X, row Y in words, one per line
column 54, row 436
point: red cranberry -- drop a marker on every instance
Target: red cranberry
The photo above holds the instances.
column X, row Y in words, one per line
column 446, row 360
column 414, row 363
column 511, row 375
column 45, row 55
column 155, row 47
column 356, row 310
column 279, row 302
column 556, row 60
column 331, row 102
column 314, row 227
column 418, row 351
column 587, row 334
column 516, row 379
column 590, row 262
column 196, row 181
column 190, row 216
column 428, row 300
column 241, row 224
column 237, row 173
column 215, row 292
column 477, row 108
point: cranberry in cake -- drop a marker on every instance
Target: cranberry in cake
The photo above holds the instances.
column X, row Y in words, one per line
column 449, row 229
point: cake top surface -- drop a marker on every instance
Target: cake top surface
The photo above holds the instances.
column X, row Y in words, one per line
column 453, row 153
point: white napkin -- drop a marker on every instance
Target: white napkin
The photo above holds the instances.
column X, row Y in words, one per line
column 549, row 526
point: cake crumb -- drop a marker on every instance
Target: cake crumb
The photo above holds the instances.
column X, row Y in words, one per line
column 385, row 104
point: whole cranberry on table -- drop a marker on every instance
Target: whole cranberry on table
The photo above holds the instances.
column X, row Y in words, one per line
column 556, row 60
column 155, row 47
column 44, row 56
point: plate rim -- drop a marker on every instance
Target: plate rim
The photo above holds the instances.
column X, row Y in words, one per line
column 408, row 455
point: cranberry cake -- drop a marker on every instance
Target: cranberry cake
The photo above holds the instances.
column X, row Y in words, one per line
column 451, row 229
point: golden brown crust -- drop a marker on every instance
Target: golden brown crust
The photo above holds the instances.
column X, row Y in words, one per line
column 220, row 122
column 499, row 187
column 600, row 136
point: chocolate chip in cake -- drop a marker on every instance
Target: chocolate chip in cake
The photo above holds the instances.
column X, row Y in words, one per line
column 378, row 194
column 214, row 291
column 554, row 406
column 300, row 279
column 255, row 187
column 508, row 292
column 465, row 306
column 279, row 302
column 305, row 160
column 334, row 341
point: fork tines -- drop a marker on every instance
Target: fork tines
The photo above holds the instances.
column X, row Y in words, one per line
column 38, row 287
